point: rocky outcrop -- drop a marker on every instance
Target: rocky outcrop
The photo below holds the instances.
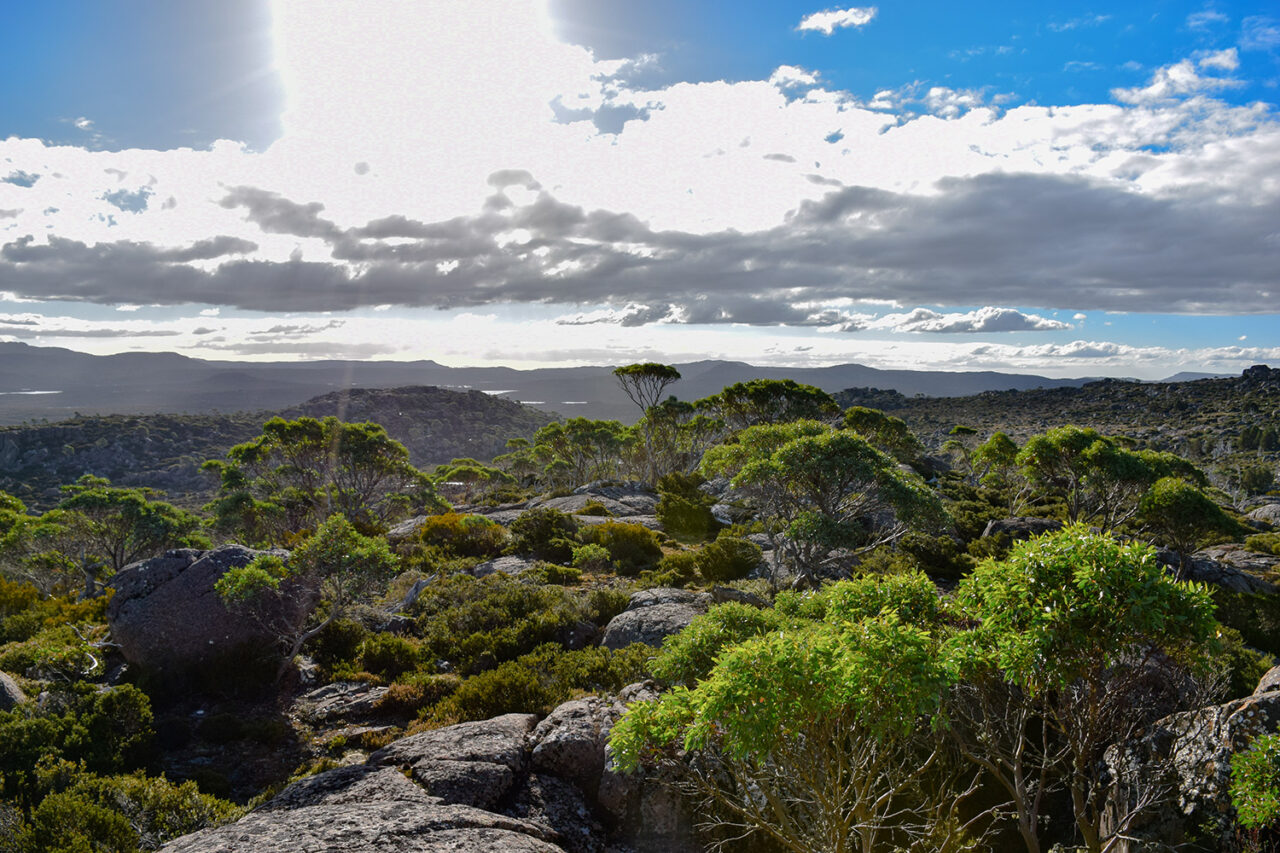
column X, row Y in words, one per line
column 167, row 618
column 1182, row 767
column 501, row 784
column 10, row 693
column 1231, row 566
column 341, row 700
column 1267, row 514
column 652, row 615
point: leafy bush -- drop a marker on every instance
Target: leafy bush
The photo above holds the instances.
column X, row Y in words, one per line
column 542, row 679
column 461, row 535
column 389, row 656
column 683, row 509
column 1264, row 543
column 594, row 507
column 1243, row 666
column 53, row 653
column 688, row 656
column 633, row 547
column 937, row 555
column 1255, row 783
column 544, row 533
column 675, row 569
column 728, row 558
column 417, row 692
column 1255, row 615
column 591, row 558
column 338, row 643
column 551, row 573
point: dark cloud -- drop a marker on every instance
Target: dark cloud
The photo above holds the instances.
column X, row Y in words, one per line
column 317, row 349
column 1055, row 242
column 14, row 321
column 10, row 214
column 53, row 332
column 781, row 158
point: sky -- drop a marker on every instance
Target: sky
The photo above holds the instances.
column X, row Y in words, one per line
column 1060, row 188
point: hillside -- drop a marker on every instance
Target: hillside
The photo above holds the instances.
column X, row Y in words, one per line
column 165, row 451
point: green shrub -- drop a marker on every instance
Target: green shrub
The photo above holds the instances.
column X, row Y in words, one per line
column 591, row 558
column 632, row 547
column 68, row 823
column 389, row 656
column 938, row 555
column 56, row 653
column 544, row 533
column 1256, row 615
column 1264, row 543
column 1243, row 666
column 337, row 645
column 551, row 573
column 604, row 603
column 728, row 558
column 688, row 656
column 594, row 507
column 415, row 693
column 677, row 569
column 1255, row 783
column 684, row 510
column 460, row 535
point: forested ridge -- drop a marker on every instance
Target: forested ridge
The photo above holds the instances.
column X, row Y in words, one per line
column 768, row 619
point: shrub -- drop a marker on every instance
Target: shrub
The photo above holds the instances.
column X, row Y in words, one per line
column 51, row 654
column 937, row 555
column 415, row 693
column 1255, row 783
column 591, row 558
column 389, row 656
column 544, row 533
column 728, row 558
column 604, row 603
column 688, row 657
column 632, row 547
column 1256, row 615
column 338, row 644
column 676, row 569
column 461, row 535
column 553, row 574
column 683, row 509
column 1243, row 666
column 1264, row 543
column 594, row 507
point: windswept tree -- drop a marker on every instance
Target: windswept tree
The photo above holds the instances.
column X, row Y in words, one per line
column 104, row 528
column 331, row 571
column 890, row 434
column 1183, row 517
column 769, row 401
column 578, row 450
column 645, row 385
column 824, row 493
column 296, row 474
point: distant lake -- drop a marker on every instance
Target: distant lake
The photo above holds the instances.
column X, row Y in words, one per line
column 30, row 392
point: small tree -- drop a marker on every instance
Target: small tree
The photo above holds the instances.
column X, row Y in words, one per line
column 1183, row 517
column 645, row 384
column 297, row 473
column 824, row 492
column 769, row 401
column 1081, row 642
column 104, row 528
column 886, row 432
column 330, row 572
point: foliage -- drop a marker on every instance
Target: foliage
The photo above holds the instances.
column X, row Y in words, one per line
column 576, row 451
column 459, row 535
column 644, row 383
column 473, row 479
column 1255, row 783
column 538, row 681
column 688, row 657
column 885, row 432
column 298, row 473
column 632, row 547
column 544, row 533
column 337, row 567
column 728, row 558
column 769, row 401
column 824, row 491
column 675, row 569
column 591, row 558
column 1181, row 514
column 389, row 656
column 683, row 509
column 1266, row 543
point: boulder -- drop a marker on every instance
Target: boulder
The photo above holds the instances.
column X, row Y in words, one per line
column 559, row 808
column 379, row 826
column 167, row 618
column 10, row 693
column 508, row 565
column 1229, row 566
column 667, row 595
column 570, row 742
column 1022, row 527
column 573, row 504
column 342, row 700
column 652, row 615
column 1184, row 762
column 721, row 594
column 1269, row 683
column 1267, row 514
column 471, row 764
column 358, row 784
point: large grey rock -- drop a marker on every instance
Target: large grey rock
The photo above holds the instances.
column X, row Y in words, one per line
column 1184, row 762
column 508, row 565
column 573, row 504
column 559, row 808
column 1269, row 683
column 381, row 826
column 570, row 742
column 1022, row 527
column 167, row 618
column 10, row 693
column 1233, row 567
column 470, row 763
column 1267, row 513
column 359, row 784
column 653, row 615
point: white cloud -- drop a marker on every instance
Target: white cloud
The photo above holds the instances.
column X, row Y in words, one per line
column 1260, row 32
column 988, row 319
column 787, row 76
column 832, row 19
column 1183, row 79
column 1222, row 60
column 1203, row 20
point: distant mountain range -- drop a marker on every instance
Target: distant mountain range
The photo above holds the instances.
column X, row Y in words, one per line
column 55, row 383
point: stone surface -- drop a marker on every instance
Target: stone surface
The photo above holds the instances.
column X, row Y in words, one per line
column 167, row 618
column 1021, row 527
column 1187, row 758
column 570, row 742
column 560, row 809
column 341, row 700
column 470, row 763
column 648, row 625
column 1267, row 513
column 721, row 594
column 1232, row 567
column 509, row 565
column 1269, row 683
column 358, row 784
column 667, row 595
column 10, row 693
column 396, row 826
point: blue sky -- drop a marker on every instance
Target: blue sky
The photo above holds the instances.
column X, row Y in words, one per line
column 1060, row 188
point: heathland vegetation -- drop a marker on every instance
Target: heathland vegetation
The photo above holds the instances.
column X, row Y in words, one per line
column 851, row 622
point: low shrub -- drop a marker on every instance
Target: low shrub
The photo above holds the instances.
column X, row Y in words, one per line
column 1255, row 784
column 544, row 533
column 728, row 558
column 460, row 535
column 389, row 656
column 632, row 547
column 545, row 572
column 677, row 569
column 591, row 558
column 337, row 646
column 594, row 507
column 1255, row 615
column 938, row 555
column 689, row 656
column 415, row 693
column 1264, row 543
